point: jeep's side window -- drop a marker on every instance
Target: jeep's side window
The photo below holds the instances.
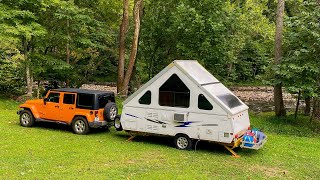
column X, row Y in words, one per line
column 85, row 101
column 203, row 103
column 68, row 98
column 174, row 93
column 53, row 97
column 146, row 98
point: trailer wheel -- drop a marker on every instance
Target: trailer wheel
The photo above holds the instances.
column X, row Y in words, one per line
column 117, row 123
column 182, row 142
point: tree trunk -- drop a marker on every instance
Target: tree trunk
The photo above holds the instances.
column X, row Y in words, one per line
column 28, row 73
column 134, row 47
column 316, row 109
column 68, row 44
column 307, row 109
column 297, row 105
column 278, row 99
column 230, row 66
column 68, row 50
column 122, row 46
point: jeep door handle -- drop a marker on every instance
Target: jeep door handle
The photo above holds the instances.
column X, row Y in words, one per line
column 70, row 108
column 56, row 106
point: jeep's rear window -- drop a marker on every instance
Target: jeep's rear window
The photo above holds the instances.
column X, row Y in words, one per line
column 85, row 101
column 104, row 99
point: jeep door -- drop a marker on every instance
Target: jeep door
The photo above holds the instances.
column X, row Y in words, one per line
column 52, row 106
column 68, row 106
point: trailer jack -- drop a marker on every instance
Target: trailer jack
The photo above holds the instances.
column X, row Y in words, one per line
column 132, row 135
column 234, row 154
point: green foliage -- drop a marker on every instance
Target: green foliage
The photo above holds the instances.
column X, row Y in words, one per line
column 300, row 69
column 232, row 41
column 11, row 81
column 46, row 28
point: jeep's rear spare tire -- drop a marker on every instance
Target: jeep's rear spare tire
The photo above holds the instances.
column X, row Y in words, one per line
column 110, row 111
column 80, row 125
column 26, row 118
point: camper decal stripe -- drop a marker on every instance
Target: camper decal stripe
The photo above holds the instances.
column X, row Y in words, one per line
column 155, row 121
column 185, row 124
column 209, row 124
column 132, row 116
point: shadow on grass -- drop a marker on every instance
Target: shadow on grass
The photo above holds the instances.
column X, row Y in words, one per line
column 167, row 141
column 66, row 128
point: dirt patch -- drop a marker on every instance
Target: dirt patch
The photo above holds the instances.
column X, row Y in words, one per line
column 260, row 99
column 270, row 172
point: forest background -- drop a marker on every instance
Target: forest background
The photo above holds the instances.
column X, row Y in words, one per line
column 81, row 41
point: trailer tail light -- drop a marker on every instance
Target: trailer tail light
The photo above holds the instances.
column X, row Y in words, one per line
column 96, row 118
column 249, row 128
column 236, row 136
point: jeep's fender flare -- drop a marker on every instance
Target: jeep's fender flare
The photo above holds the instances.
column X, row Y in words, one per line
column 32, row 108
column 85, row 115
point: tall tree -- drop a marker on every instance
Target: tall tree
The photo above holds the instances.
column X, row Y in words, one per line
column 122, row 47
column 278, row 99
column 124, row 84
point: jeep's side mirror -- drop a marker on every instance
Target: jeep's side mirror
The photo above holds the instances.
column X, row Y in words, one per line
column 45, row 100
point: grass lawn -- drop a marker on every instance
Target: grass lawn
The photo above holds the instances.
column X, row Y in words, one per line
column 50, row 151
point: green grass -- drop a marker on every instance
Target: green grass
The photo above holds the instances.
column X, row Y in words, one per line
column 50, row 151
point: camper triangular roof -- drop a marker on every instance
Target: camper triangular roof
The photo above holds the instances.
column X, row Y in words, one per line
column 205, row 81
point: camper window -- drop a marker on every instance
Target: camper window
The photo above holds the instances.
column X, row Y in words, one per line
column 174, row 93
column 203, row 103
column 229, row 100
column 146, row 98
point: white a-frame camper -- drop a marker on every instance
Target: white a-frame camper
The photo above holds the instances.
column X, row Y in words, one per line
column 185, row 101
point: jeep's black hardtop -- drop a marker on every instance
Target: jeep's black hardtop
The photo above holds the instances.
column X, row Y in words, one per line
column 83, row 91
column 89, row 99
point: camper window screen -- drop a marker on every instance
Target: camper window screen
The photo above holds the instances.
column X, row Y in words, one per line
column 229, row 100
column 174, row 93
column 146, row 98
column 203, row 103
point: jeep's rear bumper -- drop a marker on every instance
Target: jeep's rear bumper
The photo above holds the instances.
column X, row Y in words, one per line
column 96, row 124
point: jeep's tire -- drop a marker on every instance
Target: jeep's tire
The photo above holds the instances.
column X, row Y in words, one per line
column 117, row 123
column 110, row 111
column 26, row 118
column 80, row 126
column 182, row 142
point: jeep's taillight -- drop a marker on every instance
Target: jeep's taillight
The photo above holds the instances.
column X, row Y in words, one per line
column 96, row 113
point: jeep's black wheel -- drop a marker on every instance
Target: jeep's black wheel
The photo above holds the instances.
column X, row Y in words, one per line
column 182, row 142
column 117, row 123
column 110, row 111
column 26, row 118
column 80, row 125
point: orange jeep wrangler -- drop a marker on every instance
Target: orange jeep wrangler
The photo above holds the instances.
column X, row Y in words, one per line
column 80, row 108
